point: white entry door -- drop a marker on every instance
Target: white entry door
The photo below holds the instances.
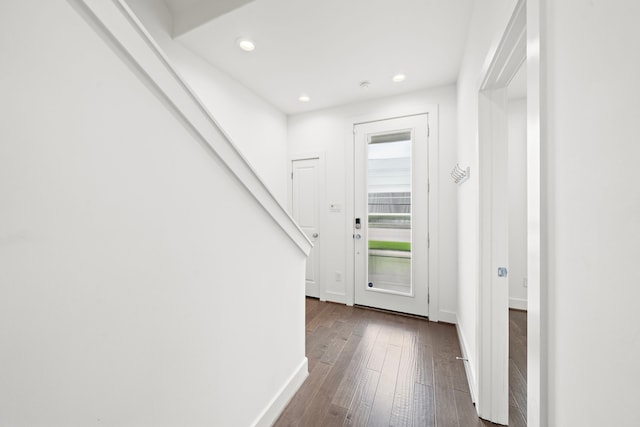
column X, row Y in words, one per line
column 305, row 210
column 391, row 214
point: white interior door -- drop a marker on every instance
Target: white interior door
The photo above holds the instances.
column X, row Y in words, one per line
column 305, row 210
column 391, row 214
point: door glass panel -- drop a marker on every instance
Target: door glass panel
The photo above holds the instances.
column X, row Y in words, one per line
column 389, row 212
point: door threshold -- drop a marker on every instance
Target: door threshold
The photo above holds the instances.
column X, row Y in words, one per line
column 399, row 313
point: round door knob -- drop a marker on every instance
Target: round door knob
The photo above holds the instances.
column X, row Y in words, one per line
column 315, row 234
column 358, row 237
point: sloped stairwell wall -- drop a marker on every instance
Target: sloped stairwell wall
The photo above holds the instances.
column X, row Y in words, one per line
column 141, row 282
column 258, row 129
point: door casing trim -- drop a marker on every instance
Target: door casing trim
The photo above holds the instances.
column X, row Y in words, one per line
column 433, row 159
column 501, row 65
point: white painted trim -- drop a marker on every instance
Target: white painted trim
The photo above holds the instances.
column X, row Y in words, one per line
column 280, row 401
column 537, row 223
column 349, row 211
column 119, row 27
column 509, row 52
column 493, row 292
column 335, row 294
column 448, row 317
column 501, row 65
column 335, row 297
column 433, row 120
column 468, row 366
column 518, row 303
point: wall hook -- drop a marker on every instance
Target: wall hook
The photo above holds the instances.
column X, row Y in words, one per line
column 460, row 175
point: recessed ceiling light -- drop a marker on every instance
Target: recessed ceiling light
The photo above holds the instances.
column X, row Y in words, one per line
column 304, row 98
column 399, row 78
column 246, row 44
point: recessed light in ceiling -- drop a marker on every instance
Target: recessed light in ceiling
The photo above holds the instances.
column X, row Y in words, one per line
column 399, row 78
column 304, row 98
column 246, row 44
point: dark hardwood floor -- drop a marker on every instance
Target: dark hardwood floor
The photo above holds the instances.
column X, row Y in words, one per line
column 517, row 368
column 369, row 368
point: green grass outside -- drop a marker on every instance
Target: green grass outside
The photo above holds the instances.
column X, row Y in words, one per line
column 390, row 246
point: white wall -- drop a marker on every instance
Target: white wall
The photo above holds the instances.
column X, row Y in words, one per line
column 487, row 25
column 517, row 118
column 327, row 132
column 590, row 155
column 138, row 279
column 257, row 128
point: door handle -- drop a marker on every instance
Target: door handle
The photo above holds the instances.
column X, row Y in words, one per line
column 357, row 237
column 315, row 235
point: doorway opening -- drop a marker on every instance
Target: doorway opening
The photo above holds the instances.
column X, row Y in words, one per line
column 517, row 241
column 493, row 401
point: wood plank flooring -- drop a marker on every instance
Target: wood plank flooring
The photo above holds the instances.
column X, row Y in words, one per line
column 517, row 368
column 369, row 368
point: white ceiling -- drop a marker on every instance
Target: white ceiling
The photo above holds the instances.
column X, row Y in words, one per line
column 189, row 14
column 179, row 6
column 325, row 48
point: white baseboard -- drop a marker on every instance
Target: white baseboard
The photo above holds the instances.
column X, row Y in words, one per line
column 333, row 297
column 273, row 410
column 447, row 317
column 518, row 303
column 467, row 364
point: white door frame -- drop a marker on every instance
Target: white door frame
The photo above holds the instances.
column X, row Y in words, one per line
column 416, row 302
column 434, row 261
column 493, row 294
column 537, row 387
column 321, row 203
